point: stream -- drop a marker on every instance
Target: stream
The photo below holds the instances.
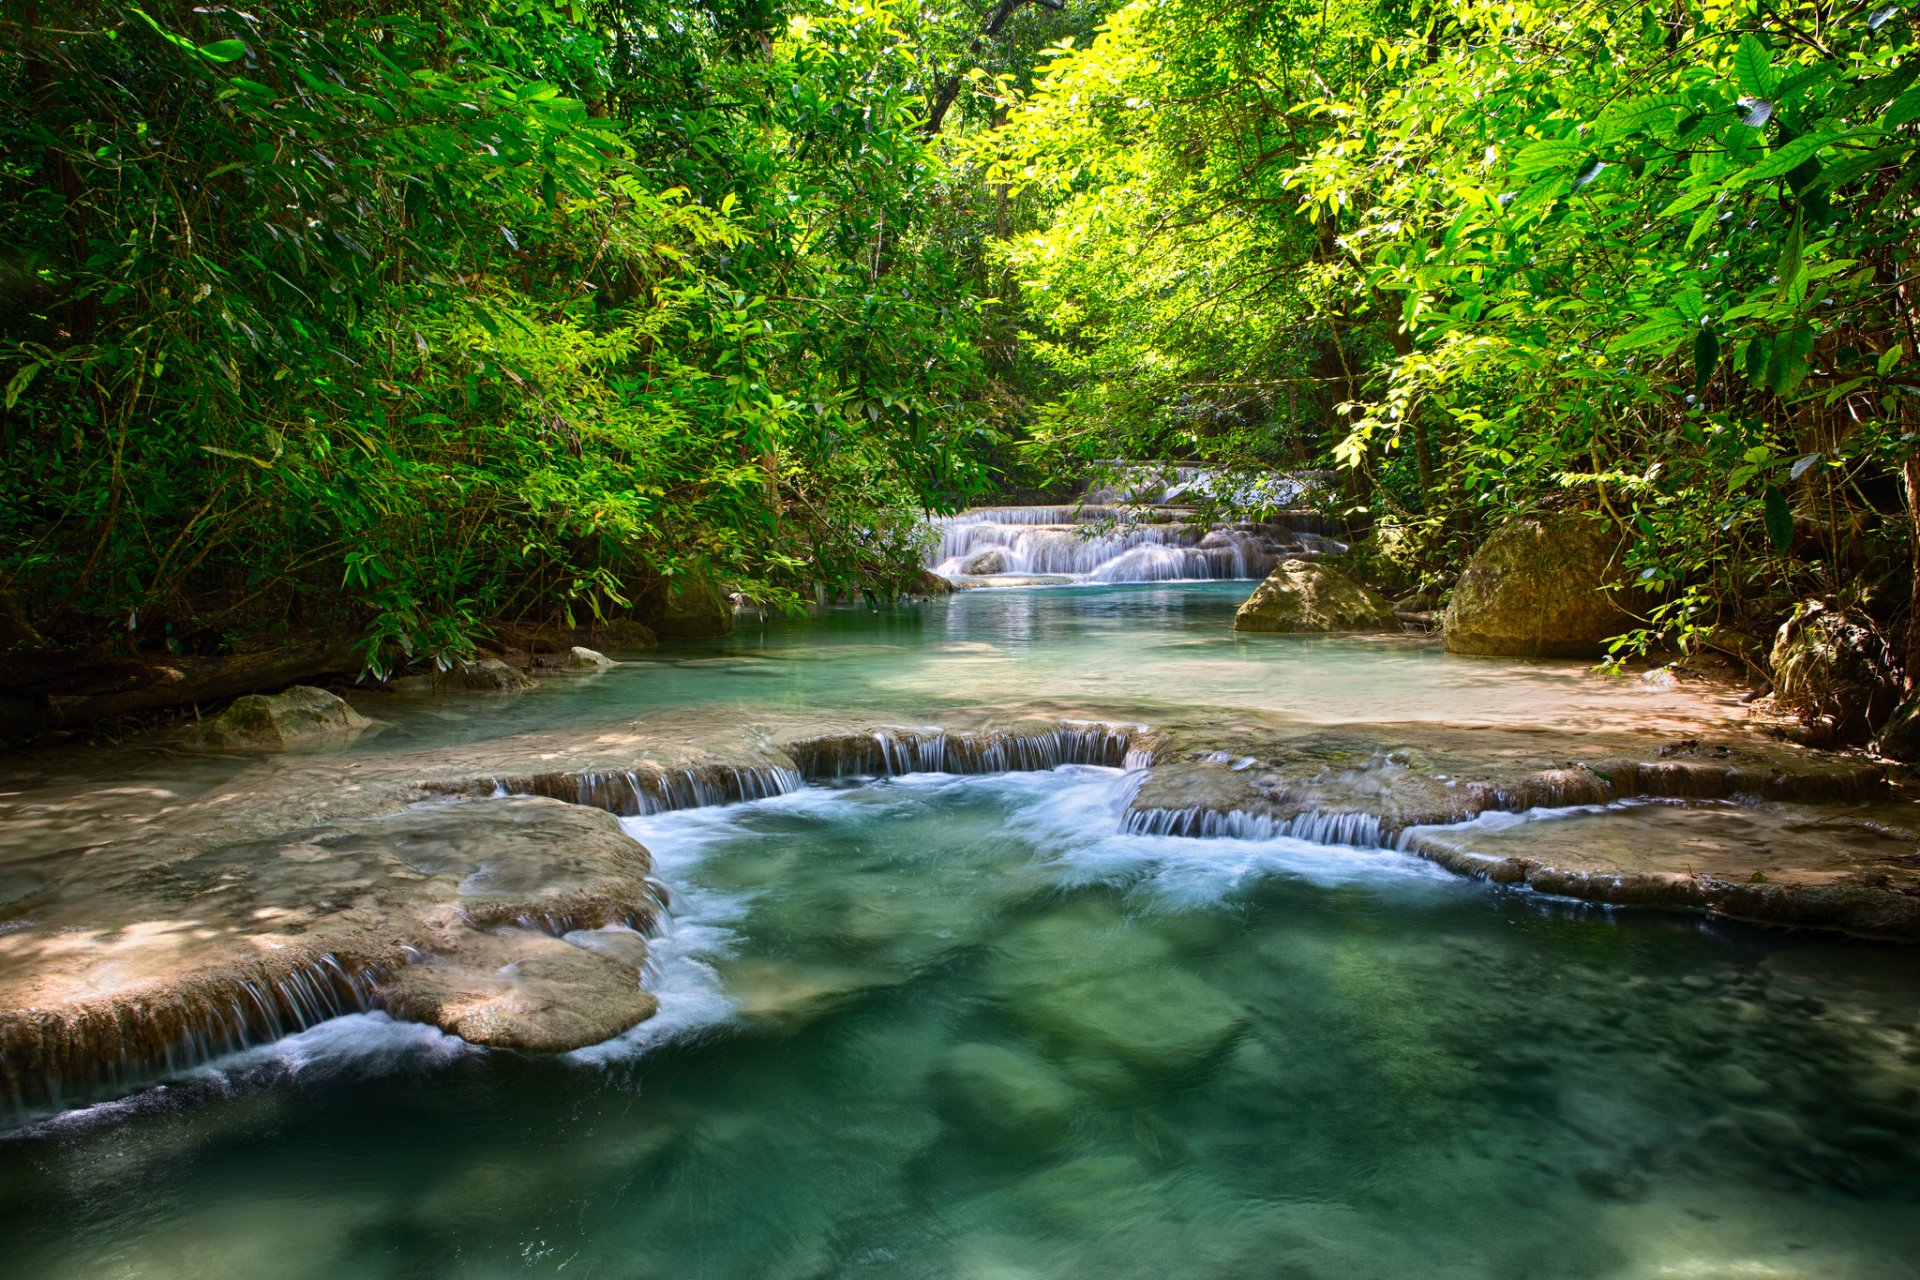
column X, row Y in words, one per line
column 971, row 1027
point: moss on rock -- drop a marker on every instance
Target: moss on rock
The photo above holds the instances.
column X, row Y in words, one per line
column 300, row 716
column 1306, row 596
column 1537, row 589
column 690, row 607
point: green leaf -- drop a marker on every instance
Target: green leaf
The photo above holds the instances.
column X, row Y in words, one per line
column 1888, row 358
column 1779, row 520
column 1553, row 153
column 1785, row 159
column 1789, row 363
column 1752, row 68
column 1660, row 329
column 224, row 50
column 17, row 385
column 1903, row 108
column 1791, row 259
column 1706, row 357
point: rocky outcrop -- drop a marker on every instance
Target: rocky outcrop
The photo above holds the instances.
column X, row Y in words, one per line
column 302, row 716
column 511, row 921
column 1834, row 672
column 690, row 607
column 1537, row 589
column 1306, row 596
column 581, row 658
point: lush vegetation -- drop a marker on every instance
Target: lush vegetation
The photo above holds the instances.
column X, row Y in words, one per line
column 1652, row 258
column 410, row 319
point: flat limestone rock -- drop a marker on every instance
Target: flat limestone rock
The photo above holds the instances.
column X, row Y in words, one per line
column 302, row 716
column 128, row 957
column 521, row 989
column 1306, row 596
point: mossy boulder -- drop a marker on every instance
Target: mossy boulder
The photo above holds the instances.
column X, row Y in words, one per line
column 1304, row 595
column 1537, row 589
column 484, row 675
column 690, row 607
column 301, row 716
column 622, row 635
column 1834, row 672
column 1900, row 739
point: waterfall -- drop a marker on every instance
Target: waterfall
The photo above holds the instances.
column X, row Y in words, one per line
column 1151, row 540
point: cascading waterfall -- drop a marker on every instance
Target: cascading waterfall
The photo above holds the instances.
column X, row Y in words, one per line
column 1128, row 533
column 78, row 1057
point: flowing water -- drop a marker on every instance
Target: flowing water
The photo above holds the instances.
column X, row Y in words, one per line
column 967, row 1027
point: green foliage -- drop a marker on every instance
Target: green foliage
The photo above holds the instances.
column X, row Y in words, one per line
column 1637, row 257
column 440, row 315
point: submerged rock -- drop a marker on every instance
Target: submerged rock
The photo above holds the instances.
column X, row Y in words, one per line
column 1303, row 595
column 301, row 716
column 1007, row 1100
column 1834, row 672
column 1537, row 589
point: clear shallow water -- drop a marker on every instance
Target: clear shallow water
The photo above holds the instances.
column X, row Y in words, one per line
column 1143, row 645
column 958, row 1028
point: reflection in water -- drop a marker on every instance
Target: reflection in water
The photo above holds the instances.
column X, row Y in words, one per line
column 1143, row 646
column 959, row 1028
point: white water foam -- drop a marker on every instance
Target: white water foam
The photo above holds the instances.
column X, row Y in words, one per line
column 1076, row 815
column 360, row 1044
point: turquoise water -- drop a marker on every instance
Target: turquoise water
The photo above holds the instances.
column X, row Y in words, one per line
column 1139, row 646
column 948, row 1027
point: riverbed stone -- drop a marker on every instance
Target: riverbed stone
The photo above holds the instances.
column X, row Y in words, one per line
column 1006, row 1100
column 1835, row 673
column 1161, row 1023
column 302, row 716
column 1536, row 589
column 1307, row 596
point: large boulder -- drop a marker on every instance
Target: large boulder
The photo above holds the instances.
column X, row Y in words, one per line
column 690, row 607
column 302, row 716
column 1537, row 589
column 622, row 635
column 1900, row 740
column 1834, row 672
column 1304, row 595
